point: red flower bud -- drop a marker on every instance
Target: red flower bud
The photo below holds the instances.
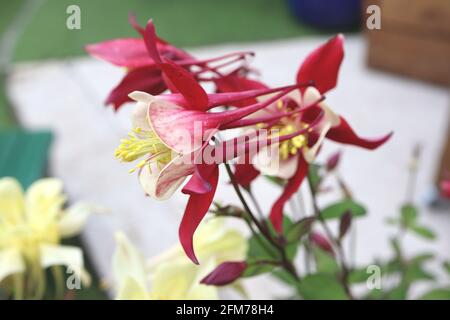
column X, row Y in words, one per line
column 322, row 242
column 225, row 273
column 333, row 161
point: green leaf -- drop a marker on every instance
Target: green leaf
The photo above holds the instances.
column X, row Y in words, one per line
column 358, row 275
column 257, row 268
column 258, row 251
column 338, row 209
column 423, row 232
column 321, row 287
column 325, row 263
column 446, row 266
column 285, row 277
column 398, row 293
column 415, row 272
column 437, row 294
column 299, row 229
column 423, row 257
column 409, row 215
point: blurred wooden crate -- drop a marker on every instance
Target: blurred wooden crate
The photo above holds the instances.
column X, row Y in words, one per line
column 414, row 39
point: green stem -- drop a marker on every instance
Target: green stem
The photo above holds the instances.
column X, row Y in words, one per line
column 262, row 229
column 336, row 243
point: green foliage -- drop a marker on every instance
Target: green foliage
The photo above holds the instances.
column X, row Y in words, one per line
column 408, row 220
column 299, row 229
column 423, row 232
column 321, row 286
column 257, row 268
column 446, row 266
column 437, row 294
column 325, row 262
column 338, row 209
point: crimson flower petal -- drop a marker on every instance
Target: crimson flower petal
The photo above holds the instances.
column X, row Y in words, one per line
column 292, row 186
column 147, row 79
column 178, row 77
column 236, row 83
column 343, row 133
column 245, row 173
column 133, row 22
column 126, row 52
column 185, row 83
column 225, row 273
column 197, row 184
column 197, row 207
column 322, row 65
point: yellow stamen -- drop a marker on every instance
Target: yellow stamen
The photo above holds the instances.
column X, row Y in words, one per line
column 290, row 147
column 141, row 143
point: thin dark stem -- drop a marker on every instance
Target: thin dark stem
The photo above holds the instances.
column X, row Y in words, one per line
column 255, row 202
column 285, row 263
column 337, row 244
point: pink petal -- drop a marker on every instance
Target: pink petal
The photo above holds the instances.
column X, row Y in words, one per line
column 322, row 65
column 292, row 186
column 147, row 79
column 126, row 52
column 180, row 129
column 343, row 133
column 225, row 273
column 197, row 207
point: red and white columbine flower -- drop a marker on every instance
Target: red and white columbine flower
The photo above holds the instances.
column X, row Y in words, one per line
column 321, row 68
column 169, row 136
column 146, row 74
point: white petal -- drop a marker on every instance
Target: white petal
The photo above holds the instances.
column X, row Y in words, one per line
column 140, row 116
column 44, row 199
column 11, row 200
column 128, row 266
column 310, row 95
column 73, row 220
column 11, row 262
column 132, row 290
column 161, row 184
column 69, row 256
column 180, row 280
column 140, row 96
column 329, row 120
column 268, row 162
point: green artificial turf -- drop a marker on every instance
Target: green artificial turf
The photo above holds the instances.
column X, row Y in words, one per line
column 183, row 22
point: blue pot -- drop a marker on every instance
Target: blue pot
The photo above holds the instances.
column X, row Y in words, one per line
column 328, row 14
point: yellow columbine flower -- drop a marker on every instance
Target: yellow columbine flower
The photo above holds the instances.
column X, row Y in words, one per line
column 172, row 275
column 31, row 227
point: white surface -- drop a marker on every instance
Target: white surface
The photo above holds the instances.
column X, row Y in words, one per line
column 67, row 97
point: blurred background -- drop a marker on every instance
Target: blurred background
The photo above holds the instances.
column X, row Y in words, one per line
column 396, row 76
